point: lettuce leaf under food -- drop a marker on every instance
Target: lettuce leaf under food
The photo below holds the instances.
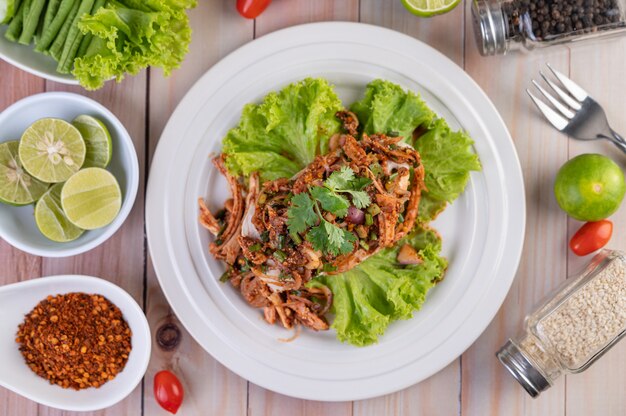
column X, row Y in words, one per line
column 387, row 108
column 447, row 155
column 379, row 291
column 448, row 158
column 284, row 133
column 130, row 35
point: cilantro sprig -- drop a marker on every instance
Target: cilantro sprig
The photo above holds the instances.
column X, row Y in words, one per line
column 345, row 181
column 305, row 211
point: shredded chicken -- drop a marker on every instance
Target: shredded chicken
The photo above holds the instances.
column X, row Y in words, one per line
column 271, row 267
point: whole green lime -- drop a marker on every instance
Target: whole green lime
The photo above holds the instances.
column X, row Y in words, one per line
column 590, row 187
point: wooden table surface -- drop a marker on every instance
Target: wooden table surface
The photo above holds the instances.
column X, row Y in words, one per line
column 475, row 384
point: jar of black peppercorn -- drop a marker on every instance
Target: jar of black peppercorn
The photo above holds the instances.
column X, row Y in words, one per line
column 501, row 26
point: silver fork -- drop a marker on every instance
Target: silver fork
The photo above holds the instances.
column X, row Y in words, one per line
column 579, row 115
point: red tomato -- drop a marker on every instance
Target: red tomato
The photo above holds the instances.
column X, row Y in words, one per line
column 168, row 391
column 591, row 237
column 251, row 9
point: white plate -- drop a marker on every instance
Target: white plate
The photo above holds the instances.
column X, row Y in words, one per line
column 483, row 230
column 25, row 58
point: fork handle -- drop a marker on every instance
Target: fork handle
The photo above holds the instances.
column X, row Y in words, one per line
column 618, row 141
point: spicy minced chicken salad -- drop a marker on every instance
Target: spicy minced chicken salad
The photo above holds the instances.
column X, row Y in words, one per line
column 330, row 206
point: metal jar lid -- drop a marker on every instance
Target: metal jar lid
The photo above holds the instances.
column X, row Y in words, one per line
column 489, row 27
column 522, row 369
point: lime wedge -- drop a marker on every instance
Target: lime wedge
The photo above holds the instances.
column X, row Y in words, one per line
column 7, row 10
column 428, row 8
column 91, row 198
column 51, row 220
column 52, row 150
column 97, row 139
column 16, row 186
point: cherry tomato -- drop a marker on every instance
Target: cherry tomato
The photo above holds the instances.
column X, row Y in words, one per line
column 168, row 391
column 251, row 9
column 591, row 236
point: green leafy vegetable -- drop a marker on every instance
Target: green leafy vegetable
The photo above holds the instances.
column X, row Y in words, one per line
column 305, row 212
column 326, row 237
column 329, row 238
column 387, row 108
column 447, row 156
column 369, row 297
column 130, row 35
column 301, row 214
column 330, row 201
column 282, row 135
column 448, row 159
column 345, row 181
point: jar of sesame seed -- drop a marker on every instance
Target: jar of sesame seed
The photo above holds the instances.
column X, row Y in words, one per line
column 571, row 328
column 501, row 26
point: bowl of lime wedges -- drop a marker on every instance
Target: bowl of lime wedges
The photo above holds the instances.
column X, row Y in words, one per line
column 69, row 174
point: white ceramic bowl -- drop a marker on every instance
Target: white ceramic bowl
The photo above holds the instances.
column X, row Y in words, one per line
column 18, row 299
column 25, row 58
column 17, row 224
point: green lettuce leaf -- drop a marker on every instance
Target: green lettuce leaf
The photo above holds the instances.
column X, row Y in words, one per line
column 131, row 35
column 285, row 132
column 447, row 155
column 448, row 158
column 379, row 291
column 387, row 108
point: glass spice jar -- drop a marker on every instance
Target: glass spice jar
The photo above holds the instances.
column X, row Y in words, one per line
column 501, row 26
column 573, row 327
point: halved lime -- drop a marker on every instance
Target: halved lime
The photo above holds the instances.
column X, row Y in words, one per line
column 51, row 220
column 428, row 8
column 52, row 150
column 97, row 139
column 91, row 198
column 16, row 186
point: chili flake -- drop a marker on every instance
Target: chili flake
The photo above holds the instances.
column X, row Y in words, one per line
column 75, row 340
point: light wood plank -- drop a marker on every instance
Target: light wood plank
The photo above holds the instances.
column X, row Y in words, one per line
column 443, row 33
column 439, row 394
column 121, row 258
column 284, row 13
column 487, row 387
column 211, row 389
column 600, row 71
column 16, row 265
column 281, row 14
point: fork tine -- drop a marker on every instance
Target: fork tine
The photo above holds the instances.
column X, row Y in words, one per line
column 570, row 85
column 572, row 103
column 556, row 103
column 555, row 119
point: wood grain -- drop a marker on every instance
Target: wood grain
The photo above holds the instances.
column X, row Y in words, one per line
column 121, row 258
column 600, row 389
column 487, row 388
column 16, row 265
column 211, row 389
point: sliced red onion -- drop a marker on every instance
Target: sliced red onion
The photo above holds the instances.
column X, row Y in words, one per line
column 355, row 215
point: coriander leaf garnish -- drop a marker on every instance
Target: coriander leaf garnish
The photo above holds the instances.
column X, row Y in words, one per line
column 331, row 202
column 340, row 179
column 331, row 239
column 345, row 181
column 360, row 199
column 301, row 214
column 305, row 211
